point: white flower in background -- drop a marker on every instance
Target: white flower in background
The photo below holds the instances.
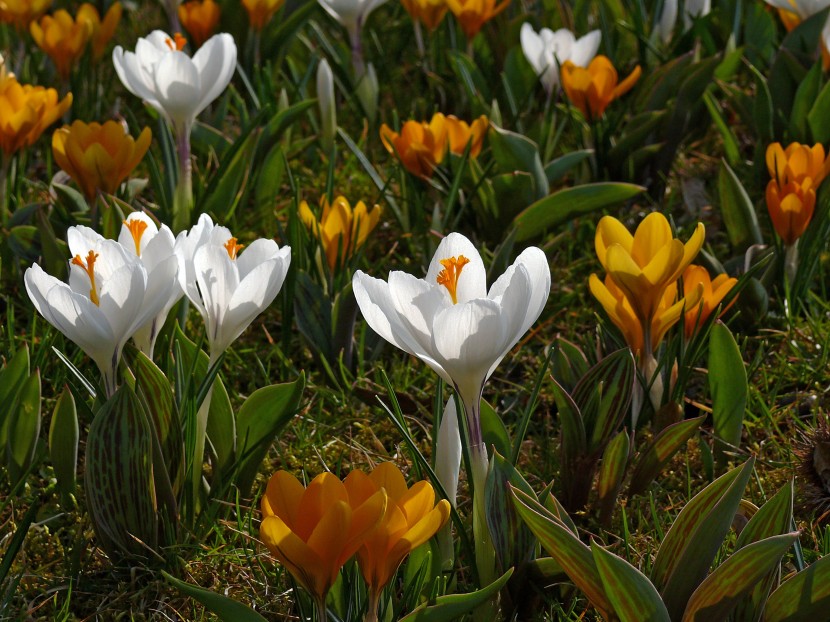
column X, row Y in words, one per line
column 451, row 321
column 547, row 50
column 141, row 237
column 691, row 9
column 228, row 287
column 172, row 82
column 110, row 295
column 802, row 8
column 351, row 14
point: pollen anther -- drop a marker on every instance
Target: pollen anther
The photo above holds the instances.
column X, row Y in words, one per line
column 448, row 277
column 233, row 248
column 89, row 268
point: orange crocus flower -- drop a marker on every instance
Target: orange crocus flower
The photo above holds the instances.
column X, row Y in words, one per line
column 102, row 30
column 21, row 13
column 63, row 38
column 420, row 146
column 98, row 157
column 459, row 133
column 428, row 12
column 473, row 14
column 713, row 291
column 260, row 12
column 341, row 229
column 200, row 19
column 25, row 112
column 592, row 88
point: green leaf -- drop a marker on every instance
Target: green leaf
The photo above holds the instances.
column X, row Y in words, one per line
column 806, row 99
column 817, row 118
column 24, row 428
column 118, row 477
column 228, row 609
column 513, row 541
column 657, row 455
column 266, row 411
column 516, row 152
column 738, row 212
column 721, row 591
column 804, row 596
column 454, row 606
column 63, row 442
column 611, row 473
column 564, row 205
column 556, row 169
column 12, row 377
column 632, row 595
column 727, row 382
column 568, row 364
column 574, row 442
column 772, row 519
column 564, row 546
column 470, row 77
column 493, row 431
column 696, row 536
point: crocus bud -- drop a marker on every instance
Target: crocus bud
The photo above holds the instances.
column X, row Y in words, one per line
column 367, row 92
column 447, row 467
column 328, row 111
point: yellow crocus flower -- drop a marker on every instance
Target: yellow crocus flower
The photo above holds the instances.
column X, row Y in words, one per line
column 712, row 293
column 669, row 310
column 645, row 264
column 62, row 38
column 428, row 12
column 342, row 230
column 592, row 88
column 420, row 146
column 473, row 14
column 260, row 12
column 459, row 133
column 412, row 517
column 314, row 531
column 102, row 30
column 796, row 173
column 21, row 13
column 98, row 157
column 25, row 112
column 200, row 18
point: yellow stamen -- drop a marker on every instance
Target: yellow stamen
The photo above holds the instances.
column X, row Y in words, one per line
column 177, row 42
column 233, row 248
column 448, row 277
column 137, row 229
column 89, row 268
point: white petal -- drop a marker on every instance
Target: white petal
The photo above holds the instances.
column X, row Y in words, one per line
column 133, row 76
column 259, row 251
column 417, row 303
column 473, row 280
column 120, row 299
column 177, row 87
column 538, row 273
column 585, row 48
column 533, row 47
column 216, row 63
column 125, row 238
column 217, row 278
column 448, row 451
column 665, row 25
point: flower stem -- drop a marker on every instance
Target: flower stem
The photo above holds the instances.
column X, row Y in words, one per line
column 322, row 611
column 791, row 262
column 374, row 601
column 183, row 200
column 479, row 463
column 5, row 213
column 357, row 54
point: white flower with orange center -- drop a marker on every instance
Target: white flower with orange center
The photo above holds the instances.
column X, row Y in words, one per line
column 110, row 295
column 152, row 245
column 451, row 321
column 228, row 285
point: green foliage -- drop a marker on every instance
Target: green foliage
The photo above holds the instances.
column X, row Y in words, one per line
column 727, row 382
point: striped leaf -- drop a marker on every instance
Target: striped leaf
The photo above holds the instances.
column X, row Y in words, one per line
column 722, row 590
column 63, row 442
column 804, row 596
column 611, row 473
column 24, row 428
column 632, row 595
column 118, row 478
column 657, row 455
column 562, row 545
column 695, row 536
column 568, row 364
column 727, row 383
column 455, row 606
column 226, row 608
column 12, row 377
column 266, row 411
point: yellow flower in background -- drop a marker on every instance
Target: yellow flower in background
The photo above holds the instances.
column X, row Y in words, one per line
column 25, row 112
column 420, row 146
column 459, row 133
column 593, row 88
column 98, row 157
column 473, row 14
column 102, row 30
column 21, row 13
column 645, row 264
column 713, row 291
column 62, row 38
column 619, row 309
column 314, row 531
column 260, row 12
column 342, row 230
column 200, row 19
column 412, row 517
column 796, row 173
column 428, row 12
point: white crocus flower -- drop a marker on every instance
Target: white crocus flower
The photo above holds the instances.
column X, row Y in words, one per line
column 691, row 9
column 228, row 287
column 172, row 82
column 802, row 8
column 109, row 296
column 351, row 14
column 547, row 50
column 152, row 246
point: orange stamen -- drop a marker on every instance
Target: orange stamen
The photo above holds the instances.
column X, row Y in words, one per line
column 233, row 248
column 177, row 42
column 448, row 277
column 137, row 228
column 89, row 268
